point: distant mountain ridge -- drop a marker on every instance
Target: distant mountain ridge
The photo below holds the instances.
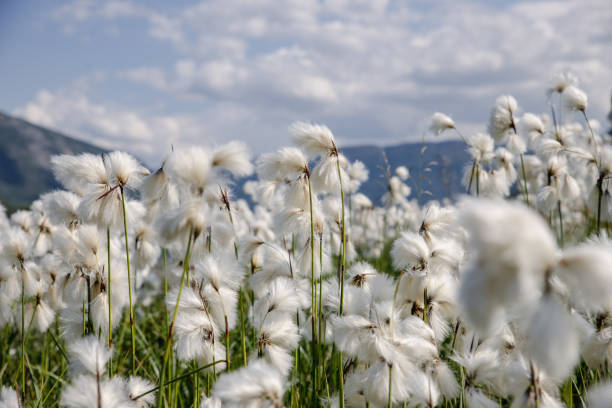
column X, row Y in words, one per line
column 25, row 159
column 26, row 150
column 435, row 168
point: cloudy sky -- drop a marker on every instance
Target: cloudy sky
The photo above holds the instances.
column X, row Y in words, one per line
column 143, row 75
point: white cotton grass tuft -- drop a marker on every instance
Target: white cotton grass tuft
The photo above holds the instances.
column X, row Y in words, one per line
column 402, row 172
column 511, row 249
column 481, row 147
column 124, row 169
column 85, row 391
column 315, row 140
column 288, row 162
column 600, row 395
column 410, row 251
column 234, row 157
column 75, row 173
column 191, row 170
column 552, row 341
column 562, row 80
column 210, row 402
column 256, row 385
column 502, row 117
column 574, row 99
column 176, row 224
column 136, row 386
column 585, row 271
column 9, row 398
column 440, row 122
column 62, row 207
column 88, row 355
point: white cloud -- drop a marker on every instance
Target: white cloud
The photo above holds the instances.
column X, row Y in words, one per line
column 371, row 69
column 112, row 127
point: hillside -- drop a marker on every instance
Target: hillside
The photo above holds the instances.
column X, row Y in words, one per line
column 26, row 150
column 439, row 169
column 25, row 159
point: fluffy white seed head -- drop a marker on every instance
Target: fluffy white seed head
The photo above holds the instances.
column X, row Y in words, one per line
column 124, row 169
column 552, row 341
column 256, row 385
column 191, row 169
column 9, row 398
column 315, row 140
column 600, row 395
column 75, row 173
column 512, row 249
column 502, row 117
column 562, row 80
column 440, row 122
column 575, row 99
column 234, row 157
column 287, row 163
column 88, row 355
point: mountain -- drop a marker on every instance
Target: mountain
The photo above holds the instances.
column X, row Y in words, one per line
column 434, row 174
column 25, row 159
column 26, row 150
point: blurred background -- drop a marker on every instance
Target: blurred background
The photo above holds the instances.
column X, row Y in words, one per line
column 145, row 75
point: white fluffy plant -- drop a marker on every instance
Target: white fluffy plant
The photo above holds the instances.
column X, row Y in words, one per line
column 524, row 280
column 102, row 181
column 90, row 385
column 203, row 305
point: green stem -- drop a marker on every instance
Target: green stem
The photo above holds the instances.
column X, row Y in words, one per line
column 227, row 344
column 524, row 180
column 599, row 197
column 313, row 299
column 342, row 269
column 561, row 237
column 196, row 386
column 179, row 378
column 176, row 306
column 477, row 180
column 127, row 255
column 242, row 334
column 425, row 304
column 390, row 403
column 471, row 176
column 22, row 362
column 108, row 291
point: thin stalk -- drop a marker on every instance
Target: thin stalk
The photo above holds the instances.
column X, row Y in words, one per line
column 594, row 141
column 599, row 197
column 561, row 238
column 108, row 291
column 461, row 135
column 127, row 254
column 227, row 344
column 471, row 176
column 524, row 180
column 196, row 386
column 343, row 232
column 390, row 403
column 84, row 332
column 313, row 298
column 425, row 304
column 164, row 269
column 320, row 307
column 22, row 362
column 342, row 269
column 242, row 335
column 167, row 316
column 477, row 180
column 179, row 378
column 171, row 329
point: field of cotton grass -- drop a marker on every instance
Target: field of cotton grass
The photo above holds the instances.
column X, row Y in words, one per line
column 142, row 289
